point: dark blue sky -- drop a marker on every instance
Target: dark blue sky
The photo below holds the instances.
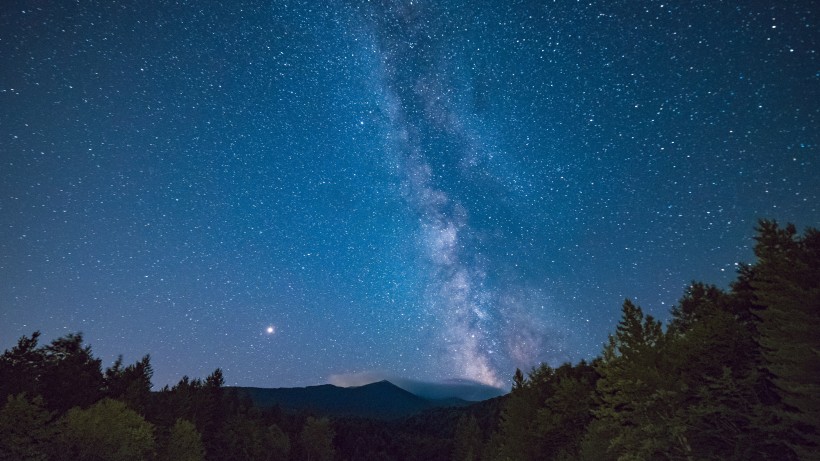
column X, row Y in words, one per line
column 423, row 189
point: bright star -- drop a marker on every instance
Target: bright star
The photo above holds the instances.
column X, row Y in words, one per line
column 270, row 330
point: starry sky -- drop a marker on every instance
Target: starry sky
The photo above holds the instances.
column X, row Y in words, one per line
column 305, row 192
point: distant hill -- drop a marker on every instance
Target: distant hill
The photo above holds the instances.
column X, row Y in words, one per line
column 460, row 388
column 380, row 400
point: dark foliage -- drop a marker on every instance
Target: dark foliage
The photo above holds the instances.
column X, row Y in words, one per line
column 735, row 376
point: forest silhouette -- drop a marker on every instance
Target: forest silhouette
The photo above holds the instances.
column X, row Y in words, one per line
column 735, row 375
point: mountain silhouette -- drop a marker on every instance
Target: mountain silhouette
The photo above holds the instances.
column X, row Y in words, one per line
column 380, row 400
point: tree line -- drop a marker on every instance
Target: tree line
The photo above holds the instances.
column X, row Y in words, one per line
column 60, row 405
column 735, row 375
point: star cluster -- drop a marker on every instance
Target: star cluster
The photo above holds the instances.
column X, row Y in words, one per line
column 296, row 191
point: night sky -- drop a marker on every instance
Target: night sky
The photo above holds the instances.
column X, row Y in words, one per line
column 303, row 192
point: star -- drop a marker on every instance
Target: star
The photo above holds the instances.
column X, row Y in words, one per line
column 481, row 197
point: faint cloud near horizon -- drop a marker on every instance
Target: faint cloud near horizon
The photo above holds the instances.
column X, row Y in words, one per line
column 452, row 388
column 357, row 379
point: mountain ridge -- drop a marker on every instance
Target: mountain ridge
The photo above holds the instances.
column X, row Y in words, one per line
column 379, row 400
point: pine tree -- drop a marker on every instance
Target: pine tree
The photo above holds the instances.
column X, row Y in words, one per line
column 131, row 384
column 786, row 285
column 519, row 418
column 699, row 301
column 211, row 413
column 641, row 399
column 565, row 414
column 711, row 348
column 518, row 380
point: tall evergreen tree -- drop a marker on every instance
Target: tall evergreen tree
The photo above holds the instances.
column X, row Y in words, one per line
column 641, row 399
column 710, row 346
column 700, row 301
column 786, row 285
column 546, row 414
column 212, row 413
column 564, row 416
column 131, row 384
column 519, row 418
